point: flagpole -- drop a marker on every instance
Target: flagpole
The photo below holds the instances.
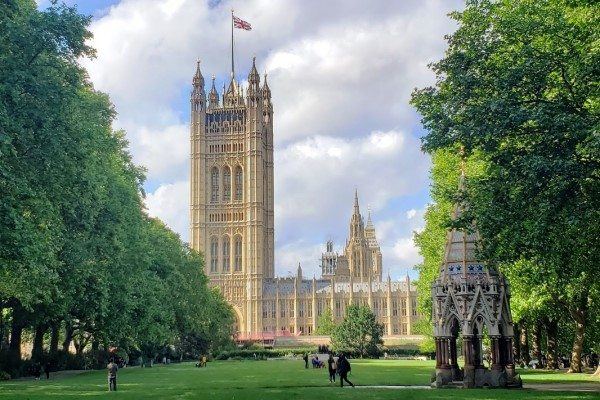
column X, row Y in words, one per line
column 232, row 65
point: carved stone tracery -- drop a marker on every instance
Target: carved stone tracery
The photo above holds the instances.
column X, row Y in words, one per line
column 471, row 297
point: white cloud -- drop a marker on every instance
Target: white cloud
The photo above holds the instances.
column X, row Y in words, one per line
column 164, row 152
column 341, row 73
column 170, row 203
column 321, row 173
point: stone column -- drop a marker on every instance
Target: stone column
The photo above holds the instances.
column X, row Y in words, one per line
column 468, row 350
column 454, row 360
column 445, row 353
column 477, row 351
column 438, row 353
column 469, row 370
column 496, row 352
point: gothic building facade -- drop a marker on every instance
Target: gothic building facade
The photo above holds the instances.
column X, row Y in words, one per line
column 232, row 225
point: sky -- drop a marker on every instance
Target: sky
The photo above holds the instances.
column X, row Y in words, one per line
column 341, row 74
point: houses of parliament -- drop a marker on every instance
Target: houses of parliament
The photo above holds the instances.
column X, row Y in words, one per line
column 232, row 225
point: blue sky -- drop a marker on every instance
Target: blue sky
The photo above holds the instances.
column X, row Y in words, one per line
column 341, row 73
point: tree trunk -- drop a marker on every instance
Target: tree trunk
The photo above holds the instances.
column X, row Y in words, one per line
column 37, row 353
column 551, row 343
column 68, row 338
column 54, row 336
column 3, row 337
column 536, row 344
column 597, row 373
column 578, row 316
column 517, row 343
column 16, row 331
column 525, row 358
column 78, row 348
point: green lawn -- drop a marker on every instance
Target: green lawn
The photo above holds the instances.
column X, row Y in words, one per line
column 275, row 379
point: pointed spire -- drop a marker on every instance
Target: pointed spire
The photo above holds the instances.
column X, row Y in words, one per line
column 461, row 256
column 265, row 89
column 213, row 97
column 356, row 208
column 198, row 80
column 253, row 80
column 369, row 221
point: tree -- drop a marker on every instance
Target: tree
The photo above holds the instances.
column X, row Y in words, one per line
column 325, row 324
column 359, row 332
column 518, row 84
column 77, row 250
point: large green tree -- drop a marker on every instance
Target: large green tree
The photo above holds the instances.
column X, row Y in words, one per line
column 359, row 332
column 519, row 85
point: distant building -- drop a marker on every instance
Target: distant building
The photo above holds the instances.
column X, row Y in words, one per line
column 231, row 214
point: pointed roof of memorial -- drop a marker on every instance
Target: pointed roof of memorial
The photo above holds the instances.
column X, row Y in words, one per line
column 462, row 244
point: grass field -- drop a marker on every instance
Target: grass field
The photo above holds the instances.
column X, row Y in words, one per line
column 274, row 379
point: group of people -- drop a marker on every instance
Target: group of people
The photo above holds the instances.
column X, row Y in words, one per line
column 36, row 370
column 340, row 367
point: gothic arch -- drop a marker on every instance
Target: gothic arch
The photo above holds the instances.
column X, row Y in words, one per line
column 238, row 252
column 238, row 326
column 214, row 254
column 238, row 183
column 214, row 184
column 226, row 183
column 226, row 253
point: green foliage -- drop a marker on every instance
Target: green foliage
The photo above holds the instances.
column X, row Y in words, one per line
column 518, row 86
column 77, row 250
column 359, row 332
column 325, row 323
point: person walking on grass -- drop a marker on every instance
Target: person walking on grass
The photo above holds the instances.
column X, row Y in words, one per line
column 112, row 375
column 331, row 366
column 343, row 368
column 305, row 358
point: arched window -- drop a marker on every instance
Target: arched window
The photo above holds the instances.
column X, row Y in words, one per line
column 226, row 251
column 237, row 261
column 239, row 183
column 214, row 185
column 226, row 184
column 214, row 254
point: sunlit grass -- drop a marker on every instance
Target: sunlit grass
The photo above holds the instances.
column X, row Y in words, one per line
column 276, row 379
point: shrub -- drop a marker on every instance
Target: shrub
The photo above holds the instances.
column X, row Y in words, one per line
column 4, row 376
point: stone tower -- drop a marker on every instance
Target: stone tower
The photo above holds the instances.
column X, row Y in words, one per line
column 232, row 191
column 374, row 249
column 358, row 252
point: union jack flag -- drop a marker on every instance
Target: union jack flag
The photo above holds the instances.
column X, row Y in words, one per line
column 241, row 24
